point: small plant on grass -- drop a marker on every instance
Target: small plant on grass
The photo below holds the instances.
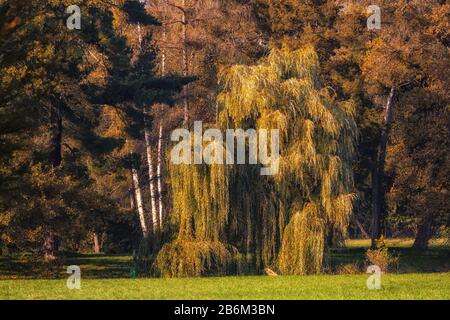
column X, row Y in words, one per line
column 381, row 256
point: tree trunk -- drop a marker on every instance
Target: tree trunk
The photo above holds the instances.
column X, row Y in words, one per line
column 151, row 175
column 55, row 157
column 132, row 201
column 96, row 243
column 49, row 246
column 160, row 138
column 139, row 202
column 424, row 234
column 163, row 50
column 329, row 238
column 185, row 63
column 159, row 174
column 361, row 228
column 151, row 182
column 378, row 172
column 139, row 37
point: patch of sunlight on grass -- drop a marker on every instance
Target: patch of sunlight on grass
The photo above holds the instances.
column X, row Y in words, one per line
column 397, row 243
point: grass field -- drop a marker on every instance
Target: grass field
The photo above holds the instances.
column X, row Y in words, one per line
column 404, row 286
column 419, row 275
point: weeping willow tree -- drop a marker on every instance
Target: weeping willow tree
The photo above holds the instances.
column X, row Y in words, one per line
column 282, row 220
column 201, row 206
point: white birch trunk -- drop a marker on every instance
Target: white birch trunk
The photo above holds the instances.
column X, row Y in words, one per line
column 151, row 176
column 160, row 139
column 139, row 202
column 152, row 180
column 159, row 173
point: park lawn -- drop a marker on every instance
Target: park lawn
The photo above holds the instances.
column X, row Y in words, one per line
column 419, row 275
column 336, row 287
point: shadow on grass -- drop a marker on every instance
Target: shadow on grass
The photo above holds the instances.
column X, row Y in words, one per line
column 92, row 267
column 100, row 266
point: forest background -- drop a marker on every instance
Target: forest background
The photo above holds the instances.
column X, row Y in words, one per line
column 86, row 118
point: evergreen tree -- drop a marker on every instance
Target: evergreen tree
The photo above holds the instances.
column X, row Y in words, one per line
column 51, row 76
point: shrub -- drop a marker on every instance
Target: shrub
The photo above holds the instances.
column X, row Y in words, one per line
column 381, row 256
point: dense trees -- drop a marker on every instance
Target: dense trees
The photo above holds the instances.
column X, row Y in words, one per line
column 61, row 80
column 408, row 64
column 406, row 56
column 85, row 117
column 41, row 77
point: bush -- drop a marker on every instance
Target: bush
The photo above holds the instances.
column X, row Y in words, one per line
column 381, row 257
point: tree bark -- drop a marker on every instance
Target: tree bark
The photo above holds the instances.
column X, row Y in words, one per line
column 160, row 138
column 185, row 62
column 140, row 37
column 151, row 176
column 159, row 174
column 424, row 234
column 139, row 202
column 361, row 228
column 55, row 157
column 329, row 238
column 164, row 34
column 378, row 172
column 152, row 180
column 96, row 243
column 132, row 201
column 49, row 246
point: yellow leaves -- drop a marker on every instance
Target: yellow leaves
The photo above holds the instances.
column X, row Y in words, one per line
column 200, row 194
column 116, row 123
column 44, row 54
column 284, row 77
column 440, row 16
column 302, row 63
column 314, row 180
column 273, row 120
column 412, row 45
column 13, row 74
column 303, row 243
column 196, row 258
column 6, row 217
column 114, row 126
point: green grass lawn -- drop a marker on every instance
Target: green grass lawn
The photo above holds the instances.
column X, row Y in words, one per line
column 419, row 275
column 404, row 286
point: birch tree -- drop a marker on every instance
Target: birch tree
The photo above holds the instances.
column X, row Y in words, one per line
column 139, row 202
